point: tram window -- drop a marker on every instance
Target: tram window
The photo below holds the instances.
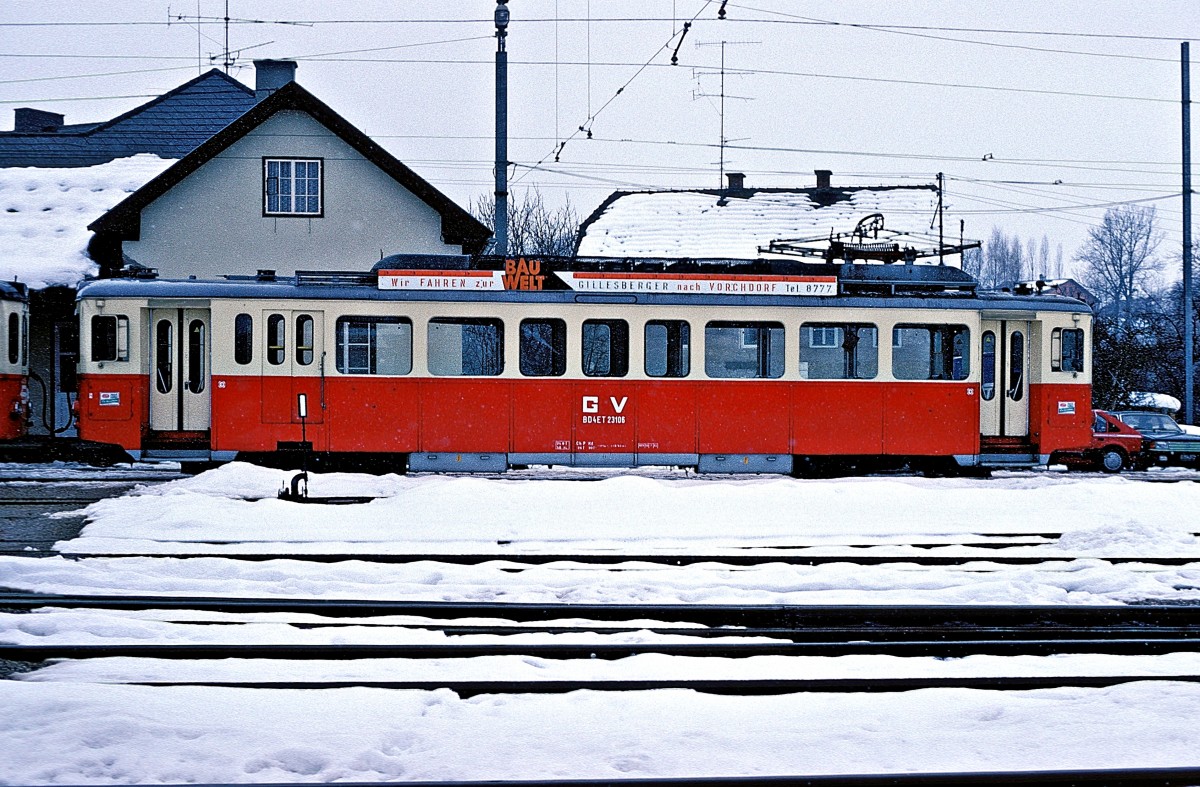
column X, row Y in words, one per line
column 14, row 338
column 1016, row 366
column 465, row 346
column 988, row 372
column 304, row 339
column 276, row 337
column 1066, row 350
column 728, row 355
column 605, row 348
column 374, row 345
column 668, row 348
column 196, row 353
column 839, row 351
column 243, row 339
column 164, row 352
column 931, row 352
column 110, row 338
column 543, row 348
column 25, row 340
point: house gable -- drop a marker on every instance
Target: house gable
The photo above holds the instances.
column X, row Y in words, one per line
column 206, row 214
column 212, row 222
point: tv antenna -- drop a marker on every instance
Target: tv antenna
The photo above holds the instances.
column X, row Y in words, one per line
column 722, row 95
column 228, row 57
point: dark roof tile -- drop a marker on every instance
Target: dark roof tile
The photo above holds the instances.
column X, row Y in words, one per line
column 170, row 126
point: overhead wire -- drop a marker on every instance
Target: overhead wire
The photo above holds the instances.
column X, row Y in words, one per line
column 592, row 116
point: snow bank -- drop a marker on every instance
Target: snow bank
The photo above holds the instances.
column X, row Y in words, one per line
column 58, row 733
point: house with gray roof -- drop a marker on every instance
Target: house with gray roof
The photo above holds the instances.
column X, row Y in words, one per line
column 170, row 126
column 289, row 185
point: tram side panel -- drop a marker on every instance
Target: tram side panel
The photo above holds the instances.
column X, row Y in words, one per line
column 834, row 417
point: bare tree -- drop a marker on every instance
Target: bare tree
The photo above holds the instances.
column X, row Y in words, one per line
column 534, row 229
column 1001, row 262
column 1119, row 257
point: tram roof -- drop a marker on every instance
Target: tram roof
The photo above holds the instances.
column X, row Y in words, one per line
column 299, row 288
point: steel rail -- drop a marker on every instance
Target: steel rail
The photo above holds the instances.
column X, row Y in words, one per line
column 1111, row 777
column 935, row 648
column 746, row 615
column 726, row 687
column 532, row 559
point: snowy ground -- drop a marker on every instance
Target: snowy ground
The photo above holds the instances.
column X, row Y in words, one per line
column 73, row 723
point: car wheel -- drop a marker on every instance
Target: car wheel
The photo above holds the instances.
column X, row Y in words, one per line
column 1112, row 460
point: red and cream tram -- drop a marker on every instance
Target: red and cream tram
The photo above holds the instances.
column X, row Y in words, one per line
column 766, row 367
column 14, row 360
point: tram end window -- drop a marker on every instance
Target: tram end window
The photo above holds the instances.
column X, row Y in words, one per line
column 668, row 348
column 1066, row 350
column 543, row 348
column 605, row 348
column 110, row 338
column 931, row 352
column 729, row 354
column 465, row 346
column 839, row 351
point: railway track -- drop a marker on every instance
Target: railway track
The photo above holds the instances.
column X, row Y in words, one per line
column 616, row 561
column 473, row 631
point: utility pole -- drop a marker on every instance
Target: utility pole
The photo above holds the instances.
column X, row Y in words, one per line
column 941, row 219
column 228, row 62
column 501, row 216
column 1189, row 372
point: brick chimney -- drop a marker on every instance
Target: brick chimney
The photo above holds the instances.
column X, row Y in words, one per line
column 823, row 176
column 270, row 75
column 736, row 181
column 36, row 120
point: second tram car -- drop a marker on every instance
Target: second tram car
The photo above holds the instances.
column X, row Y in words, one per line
column 14, row 361
column 768, row 368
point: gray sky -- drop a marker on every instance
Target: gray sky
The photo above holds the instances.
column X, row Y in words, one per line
column 1077, row 111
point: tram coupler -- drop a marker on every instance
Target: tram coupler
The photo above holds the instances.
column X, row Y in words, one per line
column 298, row 491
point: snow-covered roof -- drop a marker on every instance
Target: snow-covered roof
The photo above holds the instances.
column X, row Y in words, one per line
column 734, row 224
column 1156, row 401
column 44, row 214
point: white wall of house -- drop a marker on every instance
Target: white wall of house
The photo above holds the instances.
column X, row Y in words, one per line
column 212, row 222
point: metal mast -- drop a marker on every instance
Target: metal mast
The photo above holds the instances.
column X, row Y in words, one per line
column 501, row 216
column 1188, row 332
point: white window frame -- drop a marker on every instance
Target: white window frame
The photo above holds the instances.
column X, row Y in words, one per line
column 824, row 336
column 285, row 188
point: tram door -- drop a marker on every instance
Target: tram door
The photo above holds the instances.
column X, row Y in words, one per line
column 294, row 364
column 1004, row 380
column 180, row 390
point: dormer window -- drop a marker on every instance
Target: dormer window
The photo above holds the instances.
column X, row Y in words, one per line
column 292, row 187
